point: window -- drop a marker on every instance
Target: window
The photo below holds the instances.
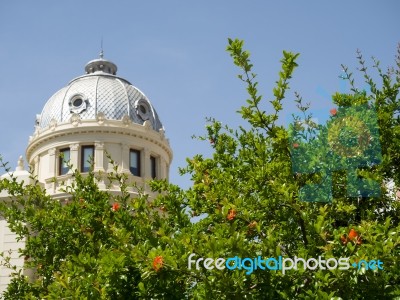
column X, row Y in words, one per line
column 143, row 109
column 77, row 102
column 63, row 161
column 87, row 156
column 153, row 167
column 134, row 162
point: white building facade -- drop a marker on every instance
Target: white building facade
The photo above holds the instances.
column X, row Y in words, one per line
column 95, row 115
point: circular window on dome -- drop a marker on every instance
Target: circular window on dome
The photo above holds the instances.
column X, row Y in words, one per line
column 77, row 103
column 143, row 109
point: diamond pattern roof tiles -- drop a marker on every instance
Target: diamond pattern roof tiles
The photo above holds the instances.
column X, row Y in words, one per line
column 100, row 92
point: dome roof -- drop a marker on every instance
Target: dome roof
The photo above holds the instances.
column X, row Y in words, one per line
column 20, row 173
column 99, row 91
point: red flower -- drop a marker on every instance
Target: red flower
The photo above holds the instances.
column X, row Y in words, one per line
column 231, row 214
column 296, row 145
column 333, row 111
column 115, row 206
column 353, row 236
column 158, row 262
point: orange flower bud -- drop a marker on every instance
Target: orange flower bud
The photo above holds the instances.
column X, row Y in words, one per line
column 353, row 234
column 158, row 262
column 231, row 214
column 115, row 206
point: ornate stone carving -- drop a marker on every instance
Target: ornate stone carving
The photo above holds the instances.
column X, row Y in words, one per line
column 126, row 120
column 100, row 118
column 75, row 120
column 20, row 164
column 147, row 125
column 74, row 147
column 53, row 124
column 52, row 151
column 162, row 133
column 99, row 145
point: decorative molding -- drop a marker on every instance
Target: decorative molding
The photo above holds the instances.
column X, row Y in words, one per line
column 114, row 128
column 74, row 147
column 99, row 145
column 162, row 133
column 52, row 124
column 100, row 118
column 147, row 125
column 75, row 119
column 52, row 151
column 126, row 120
column 125, row 146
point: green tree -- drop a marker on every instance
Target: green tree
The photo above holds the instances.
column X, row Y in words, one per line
column 248, row 196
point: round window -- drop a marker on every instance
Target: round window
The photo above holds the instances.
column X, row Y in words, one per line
column 143, row 109
column 77, row 102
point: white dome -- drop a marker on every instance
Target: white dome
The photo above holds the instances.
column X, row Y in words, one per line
column 99, row 91
column 20, row 174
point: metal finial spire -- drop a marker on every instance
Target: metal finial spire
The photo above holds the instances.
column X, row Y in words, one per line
column 101, row 46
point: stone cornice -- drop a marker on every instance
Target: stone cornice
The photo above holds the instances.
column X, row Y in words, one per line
column 108, row 127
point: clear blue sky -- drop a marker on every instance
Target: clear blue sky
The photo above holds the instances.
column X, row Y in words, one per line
column 174, row 51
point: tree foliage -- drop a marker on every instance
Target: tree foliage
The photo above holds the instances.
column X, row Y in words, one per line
column 100, row 245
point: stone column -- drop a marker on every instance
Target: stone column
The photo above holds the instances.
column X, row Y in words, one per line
column 74, row 156
column 98, row 156
column 36, row 166
column 99, row 164
column 145, row 163
column 163, row 168
column 125, row 158
column 52, row 163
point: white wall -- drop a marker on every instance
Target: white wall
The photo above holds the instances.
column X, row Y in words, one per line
column 8, row 242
